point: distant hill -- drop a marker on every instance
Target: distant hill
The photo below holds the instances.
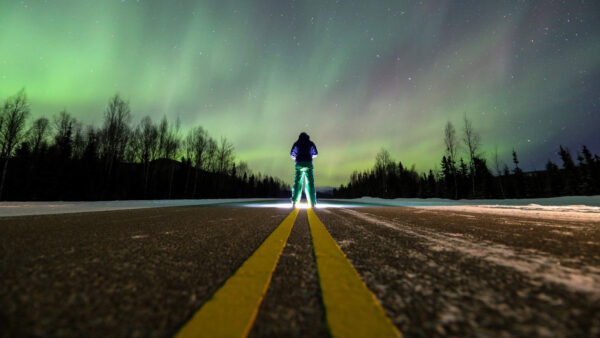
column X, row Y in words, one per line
column 325, row 191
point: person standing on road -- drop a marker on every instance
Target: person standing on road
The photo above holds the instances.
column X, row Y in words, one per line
column 303, row 152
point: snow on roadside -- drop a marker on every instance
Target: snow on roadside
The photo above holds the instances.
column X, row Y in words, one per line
column 591, row 201
column 574, row 208
column 567, row 213
column 536, row 264
column 9, row 209
column 582, row 208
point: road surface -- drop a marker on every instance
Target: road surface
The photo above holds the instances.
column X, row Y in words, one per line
column 158, row 272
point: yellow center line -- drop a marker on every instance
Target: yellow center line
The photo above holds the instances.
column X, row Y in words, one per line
column 233, row 308
column 351, row 309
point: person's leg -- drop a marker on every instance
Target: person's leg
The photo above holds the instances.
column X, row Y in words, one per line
column 297, row 187
column 302, row 188
column 311, row 194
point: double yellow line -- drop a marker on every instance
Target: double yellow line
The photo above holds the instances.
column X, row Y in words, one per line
column 351, row 309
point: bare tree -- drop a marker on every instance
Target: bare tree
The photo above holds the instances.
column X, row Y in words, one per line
column 38, row 133
column 163, row 130
column 91, row 143
column 188, row 149
column 211, row 155
column 196, row 144
column 243, row 169
column 79, row 143
column 224, row 156
column 12, row 128
column 450, row 141
column 134, row 146
column 188, row 146
column 472, row 141
column 63, row 124
column 451, row 150
column 148, row 139
column 115, row 131
column 383, row 160
column 169, row 143
column 148, row 144
column 169, row 140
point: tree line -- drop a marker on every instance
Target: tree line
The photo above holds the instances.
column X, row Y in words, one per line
column 465, row 173
column 60, row 159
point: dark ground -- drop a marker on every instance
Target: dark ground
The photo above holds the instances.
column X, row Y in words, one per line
column 144, row 272
column 123, row 273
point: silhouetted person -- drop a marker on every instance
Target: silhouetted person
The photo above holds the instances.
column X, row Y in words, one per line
column 303, row 152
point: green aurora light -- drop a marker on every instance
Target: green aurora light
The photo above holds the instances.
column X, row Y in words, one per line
column 355, row 75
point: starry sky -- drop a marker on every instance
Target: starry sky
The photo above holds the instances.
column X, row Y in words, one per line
column 355, row 75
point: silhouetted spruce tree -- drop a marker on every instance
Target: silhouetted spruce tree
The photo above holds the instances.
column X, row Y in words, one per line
column 401, row 182
column 570, row 177
column 484, row 185
column 587, row 183
column 553, row 184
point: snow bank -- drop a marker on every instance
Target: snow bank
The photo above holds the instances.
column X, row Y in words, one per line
column 575, row 208
column 568, row 207
column 8, row 209
column 575, row 201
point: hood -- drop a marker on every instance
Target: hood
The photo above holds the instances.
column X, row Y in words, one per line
column 303, row 137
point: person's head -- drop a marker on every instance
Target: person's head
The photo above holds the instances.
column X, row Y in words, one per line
column 303, row 136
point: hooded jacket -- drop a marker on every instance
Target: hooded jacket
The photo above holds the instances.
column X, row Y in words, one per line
column 304, row 150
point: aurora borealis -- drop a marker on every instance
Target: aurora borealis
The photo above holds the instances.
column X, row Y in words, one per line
column 355, row 75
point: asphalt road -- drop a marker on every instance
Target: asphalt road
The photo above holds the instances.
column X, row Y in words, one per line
column 436, row 273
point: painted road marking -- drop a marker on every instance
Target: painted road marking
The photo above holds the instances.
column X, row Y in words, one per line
column 233, row 308
column 351, row 309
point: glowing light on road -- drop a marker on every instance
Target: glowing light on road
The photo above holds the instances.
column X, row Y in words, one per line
column 287, row 205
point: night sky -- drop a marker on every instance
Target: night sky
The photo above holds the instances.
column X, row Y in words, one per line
column 355, row 75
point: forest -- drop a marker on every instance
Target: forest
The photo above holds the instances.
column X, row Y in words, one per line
column 470, row 177
column 60, row 159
